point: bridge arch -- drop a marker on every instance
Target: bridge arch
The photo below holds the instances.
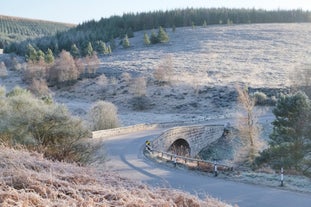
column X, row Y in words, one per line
column 196, row 137
column 180, row 147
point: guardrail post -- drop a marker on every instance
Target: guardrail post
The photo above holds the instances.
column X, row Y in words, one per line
column 282, row 177
column 175, row 161
column 215, row 169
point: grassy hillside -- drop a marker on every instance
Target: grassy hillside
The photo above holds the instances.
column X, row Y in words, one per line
column 108, row 29
column 27, row 179
column 17, row 29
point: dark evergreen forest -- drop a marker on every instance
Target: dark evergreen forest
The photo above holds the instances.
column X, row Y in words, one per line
column 107, row 29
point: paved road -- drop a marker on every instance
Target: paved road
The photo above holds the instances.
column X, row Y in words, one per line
column 125, row 157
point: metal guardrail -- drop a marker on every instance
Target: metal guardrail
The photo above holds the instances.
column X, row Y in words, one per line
column 192, row 163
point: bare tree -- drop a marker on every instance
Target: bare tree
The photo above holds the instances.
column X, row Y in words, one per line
column 39, row 87
column 3, row 70
column 34, row 71
column 64, row 69
column 164, row 71
column 139, row 87
column 113, row 83
column 92, row 64
column 79, row 62
column 248, row 127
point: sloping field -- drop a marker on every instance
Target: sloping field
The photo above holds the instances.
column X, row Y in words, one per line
column 206, row 64
column 256, row 54
column 27, row 179
column 17, row 29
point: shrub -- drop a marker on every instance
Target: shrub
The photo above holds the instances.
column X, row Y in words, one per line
column 103, row 115
column 44, row 126
column 15, row 64
column 260, row 98
column 126, row 77
column 140, row 103
column 102, row 80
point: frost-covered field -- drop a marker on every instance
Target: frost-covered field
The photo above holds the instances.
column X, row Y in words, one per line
column 207, row 63
column 256, row 54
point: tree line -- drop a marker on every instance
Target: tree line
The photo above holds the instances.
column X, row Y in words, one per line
column 108, row 29
column 14, row 29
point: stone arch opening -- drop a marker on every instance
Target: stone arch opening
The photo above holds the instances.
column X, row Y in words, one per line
column 180, row 147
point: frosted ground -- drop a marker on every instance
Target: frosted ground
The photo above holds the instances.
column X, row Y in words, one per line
column 207, row 63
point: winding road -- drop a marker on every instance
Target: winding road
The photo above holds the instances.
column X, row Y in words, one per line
column 126, row 158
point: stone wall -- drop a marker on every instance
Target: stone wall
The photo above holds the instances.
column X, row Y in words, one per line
column 122, row 130
column 197, row 136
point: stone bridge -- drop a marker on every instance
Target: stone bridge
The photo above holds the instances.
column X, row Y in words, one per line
column 191, row 138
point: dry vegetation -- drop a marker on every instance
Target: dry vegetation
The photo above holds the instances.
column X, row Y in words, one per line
column 27, row 179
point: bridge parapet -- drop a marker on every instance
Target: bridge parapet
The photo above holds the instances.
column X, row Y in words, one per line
column 197, row 136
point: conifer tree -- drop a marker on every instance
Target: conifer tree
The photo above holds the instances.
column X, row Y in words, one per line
column 126, row 42
column 109, row 51
column 130, row 32
column 88, row 50
column 49, row 57
column 192, row 25
column 146, row 39
column 31, row 54
column 153, row 38
column 74, row 51
column 290, row 140
column 112, row 44
column 101, row 47
column 162, row 35
column 40, row 56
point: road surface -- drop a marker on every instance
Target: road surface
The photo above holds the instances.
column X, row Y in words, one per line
column 126, row 158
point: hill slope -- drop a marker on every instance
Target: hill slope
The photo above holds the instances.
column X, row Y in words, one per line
column 17, row 29
column 27, row 179
column 117, row 26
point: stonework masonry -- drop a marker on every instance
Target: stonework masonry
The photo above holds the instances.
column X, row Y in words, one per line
column 197, row 136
